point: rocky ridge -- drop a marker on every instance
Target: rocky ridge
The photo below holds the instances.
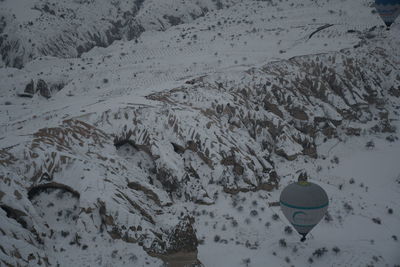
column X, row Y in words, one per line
column 32, row 29
column 216, row 134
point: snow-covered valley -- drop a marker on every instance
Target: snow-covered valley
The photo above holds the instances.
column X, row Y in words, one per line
column 171, row 146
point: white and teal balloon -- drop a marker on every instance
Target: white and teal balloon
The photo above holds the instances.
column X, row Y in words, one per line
column 388, row 10
column 304, row 204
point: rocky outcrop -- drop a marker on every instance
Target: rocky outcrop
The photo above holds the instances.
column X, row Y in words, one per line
column 30, row 88
column 303, row 98
column 181, row 245
column 130, row 174
column 76, row 27
column 43, row 89
column 182, row 238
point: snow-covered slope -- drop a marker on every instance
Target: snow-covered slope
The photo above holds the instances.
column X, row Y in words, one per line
column 174, row 147
column 30, row 29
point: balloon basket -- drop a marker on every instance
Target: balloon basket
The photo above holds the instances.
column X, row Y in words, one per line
column 303, row 238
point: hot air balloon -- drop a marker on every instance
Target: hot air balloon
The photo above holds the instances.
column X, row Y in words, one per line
column 304, row 204
column 388, row 10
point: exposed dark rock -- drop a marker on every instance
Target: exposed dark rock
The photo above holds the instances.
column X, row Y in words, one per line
column 115, row 233
column 37, row 189
column 298, row 113
column 25, row 95
column 178, row 149
column 383, row 127
column 273, row 108
column 127, row 238
column 310, row 150
column 329, row 131
column 262, row 186
column 16, row 214
column 353, row 131
column 106, row 24
column 271, row 184
column 29, row 88
column 238, row 169
column 133, row 30
column 168, row 181
column 227, row 161
column 192, row 145
column 173, row 20
column 183, row 237
column 282, row 153
column 394, row 92
column 149, row 193
column 43, row 89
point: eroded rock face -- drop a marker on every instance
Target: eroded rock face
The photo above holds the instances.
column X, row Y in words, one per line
column 78, row 26
column 29, row 88
column 180, row 245
column 135, row 168
column 16, row 215
column 182, row 238
column 43, row 89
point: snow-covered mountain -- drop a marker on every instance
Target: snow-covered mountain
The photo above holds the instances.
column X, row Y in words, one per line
column 171, row 145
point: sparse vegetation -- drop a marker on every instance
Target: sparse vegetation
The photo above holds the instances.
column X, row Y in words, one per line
column 64, row 233
column 319, row 168
column 328, row 217
column 347, row 207
column 392, row 138
column 288, row 230
column 133, row 258
column 370, row 144
column 114, row 254
column 253, row 213
column 335, row 160
column 336, row 250
column 252, row 112
column 320, row 252
column 246, row 262
column 282, row 243
column 234, row 223
column 377, row 220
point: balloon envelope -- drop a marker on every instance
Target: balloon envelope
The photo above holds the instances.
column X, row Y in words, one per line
column 388, row 10
column 304, row 204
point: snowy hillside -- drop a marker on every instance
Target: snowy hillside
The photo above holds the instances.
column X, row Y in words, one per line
column 29, row 29
column 170, row 143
